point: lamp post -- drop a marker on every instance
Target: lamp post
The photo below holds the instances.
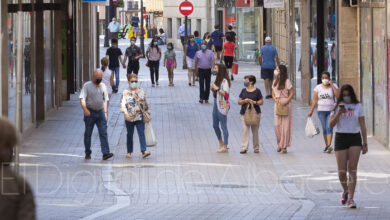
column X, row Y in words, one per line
column 142, row 29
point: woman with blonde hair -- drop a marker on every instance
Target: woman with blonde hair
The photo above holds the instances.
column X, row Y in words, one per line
column 133, row 106
column 282, row 94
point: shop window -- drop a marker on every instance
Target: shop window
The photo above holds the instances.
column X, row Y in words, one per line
column 169, row 27
column 178, row 24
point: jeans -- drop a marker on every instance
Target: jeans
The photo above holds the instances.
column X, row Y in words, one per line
column 116, row 71
column 204, row 83
column 100, row 120
column 324, row 118
column 140, row 125
column 219, row 118
column 154, row 70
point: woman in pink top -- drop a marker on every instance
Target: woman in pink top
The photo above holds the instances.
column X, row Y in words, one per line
column 229, row 51
column 153, row 54
column 282, row 93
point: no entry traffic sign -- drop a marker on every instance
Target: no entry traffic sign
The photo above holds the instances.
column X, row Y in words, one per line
column 186, row 8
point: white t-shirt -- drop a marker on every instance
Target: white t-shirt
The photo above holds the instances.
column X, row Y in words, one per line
column 326, row 98
column 349, row 121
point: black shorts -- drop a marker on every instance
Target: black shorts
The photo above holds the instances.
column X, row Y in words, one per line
column 344, row 141
column 228, row 62
column 218, row 48
column 133, row 68
column 267, row 73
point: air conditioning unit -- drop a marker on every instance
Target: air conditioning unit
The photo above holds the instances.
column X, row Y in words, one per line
column 351, row 3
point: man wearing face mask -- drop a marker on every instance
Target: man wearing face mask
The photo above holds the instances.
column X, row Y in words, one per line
column 134, row 53
column 93, row 100
column 204, row 62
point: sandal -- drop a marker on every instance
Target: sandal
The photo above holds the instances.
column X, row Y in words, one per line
column 284, row 151
column 279, row 149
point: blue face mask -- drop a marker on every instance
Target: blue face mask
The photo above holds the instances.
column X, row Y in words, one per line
column 169, row 48
column 246, row 84
column 155, row 43
column 204, row 47
column 347, row 99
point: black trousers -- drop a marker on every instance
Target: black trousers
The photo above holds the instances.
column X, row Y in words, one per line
column 154, row 67
column 204, row 83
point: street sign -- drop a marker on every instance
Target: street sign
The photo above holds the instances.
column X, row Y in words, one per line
column 114, row 2
column 186, row 8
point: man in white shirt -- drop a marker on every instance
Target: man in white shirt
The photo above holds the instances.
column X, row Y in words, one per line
column 114, row 28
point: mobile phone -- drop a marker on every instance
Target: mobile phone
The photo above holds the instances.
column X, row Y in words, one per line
column 342, row 106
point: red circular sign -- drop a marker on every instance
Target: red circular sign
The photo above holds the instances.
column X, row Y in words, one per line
column 186, row 8
column 114, row 2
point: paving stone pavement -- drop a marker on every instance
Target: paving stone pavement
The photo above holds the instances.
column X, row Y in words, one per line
column 185, row 178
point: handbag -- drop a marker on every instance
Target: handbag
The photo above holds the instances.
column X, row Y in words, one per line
column 281, row 110
column 146, row 117
column 251, row 117
column 235, row 68
column 149, row 135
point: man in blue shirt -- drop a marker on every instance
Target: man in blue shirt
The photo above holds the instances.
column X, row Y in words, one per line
column 114, row 28
column 134, row 24
column 182, row 33
column 268, row 59
column 217, row 39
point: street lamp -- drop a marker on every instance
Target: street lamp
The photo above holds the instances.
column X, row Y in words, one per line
column 142, row 29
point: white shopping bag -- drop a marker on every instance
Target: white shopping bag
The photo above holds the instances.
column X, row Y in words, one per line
column 311, row 130
column 149, row 135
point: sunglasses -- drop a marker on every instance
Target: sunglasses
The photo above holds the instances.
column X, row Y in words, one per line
column 134, row 81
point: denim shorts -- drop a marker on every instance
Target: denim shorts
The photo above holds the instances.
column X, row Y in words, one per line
column 324, row 117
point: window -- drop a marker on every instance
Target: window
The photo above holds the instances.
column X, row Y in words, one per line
column 178, row 24
column 169, row 27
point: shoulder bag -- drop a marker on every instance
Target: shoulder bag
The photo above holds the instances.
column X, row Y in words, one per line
column 281, row 110
column 251, row 117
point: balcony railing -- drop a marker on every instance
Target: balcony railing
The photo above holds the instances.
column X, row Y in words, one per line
column 132, row 6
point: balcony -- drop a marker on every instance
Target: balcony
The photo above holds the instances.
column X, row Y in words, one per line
column 132, row 6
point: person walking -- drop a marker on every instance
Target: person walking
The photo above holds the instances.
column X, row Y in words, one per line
column 27, row 67
column 231, row 33
column 248, row 96
column 221, row 92
column 324, row 98
column 204, row 61
column 135, row 25
column 333, row 56
column 114, row 28
column 217, row 41
column 133, row 106
column 153, row 54
column 198, row 39
column 170, row 62
column 190, row 50
column 108, row 77
column 93, row 100
column 182, row 33
column 268, row 59
column 282, row 94
column 16, row 196
column 115, row 56
column 134, row 53
column 348, row 117
column 229, row 51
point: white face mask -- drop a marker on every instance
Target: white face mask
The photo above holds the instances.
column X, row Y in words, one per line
column 325, row 82
column 132, row 42
column 133, row 85
column 276, row 73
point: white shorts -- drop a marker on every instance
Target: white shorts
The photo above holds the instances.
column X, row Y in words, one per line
column 190, row 63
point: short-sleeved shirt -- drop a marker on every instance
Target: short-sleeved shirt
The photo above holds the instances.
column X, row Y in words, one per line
column 229, row 48
column 132, row 52
column 134, row 21
column 154, row 53
column 191, row 50
column 204, row 59
column 349, row 121
column 217, row 36
column 233, row 34
column 170, row 54
column 284, row 93
column 199, row 41
column 114, row 26
column 269, row 53
column 255, row 96
column 113, row 54
column 94, row 96
column 326, row 98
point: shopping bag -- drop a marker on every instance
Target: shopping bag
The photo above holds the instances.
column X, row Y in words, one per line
column 149, row 135
column 235, row 68
column 311, row 129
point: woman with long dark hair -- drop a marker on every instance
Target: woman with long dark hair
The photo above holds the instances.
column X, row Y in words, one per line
column 324, row 98
column 153, row 54
column 348, row 117
column 221, row 91
column 282, row 94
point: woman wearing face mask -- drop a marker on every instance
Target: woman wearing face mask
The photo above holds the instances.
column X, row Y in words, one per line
column 250, row 95
column 189, row 54
column 282, row 94
column 348, row 116
column 170, row 62
column 153, row 54
column 324, row 98
column 132, row 105
column 221, row 90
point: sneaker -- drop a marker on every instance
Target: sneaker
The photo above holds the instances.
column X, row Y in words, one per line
column 243, row 151
column 145, row 154
column 330, row 149
column 157, row 83
column 256, row 151
column 201, row 101
column 351, row 204
column 153, row 85
column 344, row 197
column 88, row 156
column 189, row 84
column 232, row 78
column 107, row 156
column 268, row 97
column 207, row 101
column 128, row 155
